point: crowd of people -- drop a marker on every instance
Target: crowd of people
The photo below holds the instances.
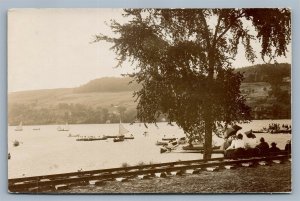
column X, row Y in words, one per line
column 235, row 147
column 276, row 127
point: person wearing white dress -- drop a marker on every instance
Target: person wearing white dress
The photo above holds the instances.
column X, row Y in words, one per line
column 236, row 149
column 237, row 143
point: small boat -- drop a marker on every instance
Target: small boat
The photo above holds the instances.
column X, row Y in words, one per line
column 174, row 148
column 161, row 143
column 169, row 147
column 19, row 127
column 163, row 150
column 112, row 136
column 169, row 139
column 131, row 137
column 198, row 147
column 121, row 136
column 16, row 143
column 92, row 138
column 281, row 131
column 63, row 128
column 182, row 140
column 119, row 139
column 259, row 131
column 214, row 151
column 70, row 135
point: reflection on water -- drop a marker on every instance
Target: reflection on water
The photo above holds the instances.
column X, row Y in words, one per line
column 48, row 151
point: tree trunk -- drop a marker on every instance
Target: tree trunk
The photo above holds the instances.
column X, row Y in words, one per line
column 208, row 115
column 208, row 140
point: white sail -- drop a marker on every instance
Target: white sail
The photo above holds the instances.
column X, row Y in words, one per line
column 122, row 130
column 66, row 127
column 63, row 128
column 19, row 127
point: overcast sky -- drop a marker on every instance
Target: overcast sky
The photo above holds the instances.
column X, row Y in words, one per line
column 50, row 48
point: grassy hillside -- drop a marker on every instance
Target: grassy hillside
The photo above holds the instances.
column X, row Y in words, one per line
column 64, row 105
column 266, row 87
column 272, row 73
column 108, row 84
column 50, row 98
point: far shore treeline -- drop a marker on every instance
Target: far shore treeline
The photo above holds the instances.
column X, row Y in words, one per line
column 267, row 88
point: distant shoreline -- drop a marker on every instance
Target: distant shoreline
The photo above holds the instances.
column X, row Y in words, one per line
column 58, row 124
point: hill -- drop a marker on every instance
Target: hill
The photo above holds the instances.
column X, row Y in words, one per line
column 108, row 84
column 57, row 106
column 52, row 97
column 266, row 87
column 272, row 73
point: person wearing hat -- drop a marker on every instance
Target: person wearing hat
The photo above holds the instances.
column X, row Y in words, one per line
column 251, row 140
column 263, row 147
column 236, row 149
column 238, row 143
column 273, row 148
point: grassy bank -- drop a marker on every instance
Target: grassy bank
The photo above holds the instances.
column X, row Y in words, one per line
column 275, row 178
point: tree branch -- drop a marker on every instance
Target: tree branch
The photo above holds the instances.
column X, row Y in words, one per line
column 229, row 26
column 206, row 31
column 217, row 29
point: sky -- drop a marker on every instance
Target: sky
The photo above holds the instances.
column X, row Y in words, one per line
column 51, row 48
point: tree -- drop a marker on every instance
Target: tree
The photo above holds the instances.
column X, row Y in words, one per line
column 182, row 58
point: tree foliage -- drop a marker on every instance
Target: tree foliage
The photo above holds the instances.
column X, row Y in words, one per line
column 271, row 73
column 71, row 113
column 182, row 58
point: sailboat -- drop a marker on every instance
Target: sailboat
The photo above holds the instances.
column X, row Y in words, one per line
column 121, row 136
column 19, row 127
column 63, row 128
column 16, row 143
column 122, row 131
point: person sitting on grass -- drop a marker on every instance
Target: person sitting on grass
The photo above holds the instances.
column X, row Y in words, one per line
column 263, row 147
column 227, row 142
column 288, row 147
column 237, row 148
column 274, row 149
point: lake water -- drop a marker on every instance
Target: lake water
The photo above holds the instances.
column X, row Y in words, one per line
column 48, row 151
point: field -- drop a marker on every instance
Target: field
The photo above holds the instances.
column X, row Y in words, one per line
column 256, row 89
column 53, row 97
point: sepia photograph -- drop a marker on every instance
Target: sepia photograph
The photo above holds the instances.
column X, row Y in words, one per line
column 149, row 101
